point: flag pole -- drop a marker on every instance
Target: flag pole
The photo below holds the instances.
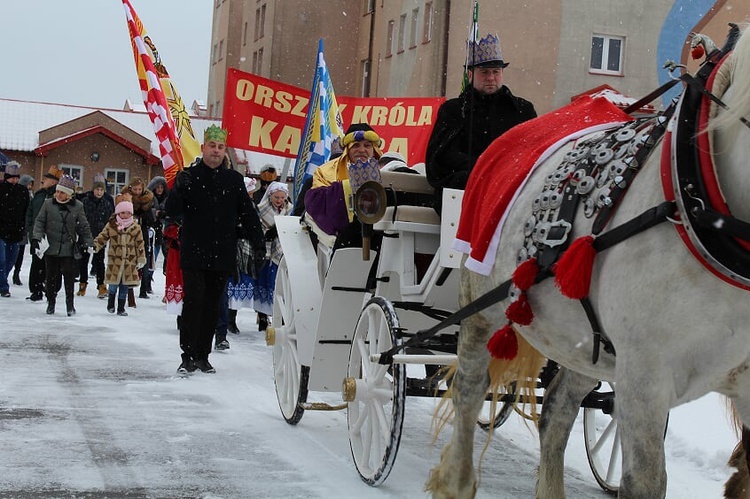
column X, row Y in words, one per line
column 473, row 42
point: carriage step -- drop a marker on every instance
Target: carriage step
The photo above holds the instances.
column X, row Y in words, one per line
column 321, row 406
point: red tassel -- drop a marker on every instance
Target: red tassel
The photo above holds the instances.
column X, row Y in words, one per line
column 697, row 52
column 525, row 274
column 520, row 311
column 573, row 270
column 503, row 344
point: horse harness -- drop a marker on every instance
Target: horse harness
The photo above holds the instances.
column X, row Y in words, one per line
column 596, row 173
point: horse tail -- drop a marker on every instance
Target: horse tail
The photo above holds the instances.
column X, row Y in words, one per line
column 517, row 377
column 738, row 485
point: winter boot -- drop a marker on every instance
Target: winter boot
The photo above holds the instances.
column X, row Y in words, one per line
column 262, row 321
column 111, row 303
column 102, row 292
column 233, row 322
column 121, row 308
column 69, row 305
column 82, row 288
column 17, row 278
column 131, row 298
column 143, row 293
column 50, row 305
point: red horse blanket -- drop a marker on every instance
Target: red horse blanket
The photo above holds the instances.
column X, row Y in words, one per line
column 502, row 170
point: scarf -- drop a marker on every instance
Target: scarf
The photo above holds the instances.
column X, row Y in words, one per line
column 124, row 223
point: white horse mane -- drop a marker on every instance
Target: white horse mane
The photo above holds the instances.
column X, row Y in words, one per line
column 739, row 100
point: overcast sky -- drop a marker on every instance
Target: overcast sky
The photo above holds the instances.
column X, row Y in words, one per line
column 78, row 51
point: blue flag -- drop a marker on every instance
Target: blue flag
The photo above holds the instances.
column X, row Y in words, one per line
column 322, row 125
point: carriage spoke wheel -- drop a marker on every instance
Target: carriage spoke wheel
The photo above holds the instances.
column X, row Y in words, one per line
column 375, row 416
column 502, row 412
column 290, row 378
column 603, row 448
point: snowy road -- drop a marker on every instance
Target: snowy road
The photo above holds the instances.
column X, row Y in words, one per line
column 90, row 407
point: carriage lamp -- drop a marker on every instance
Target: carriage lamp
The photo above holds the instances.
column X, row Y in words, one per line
column 369, row 205
column 349, row 389
column 270, row 336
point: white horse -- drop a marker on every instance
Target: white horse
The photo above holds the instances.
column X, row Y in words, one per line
column 678, row 330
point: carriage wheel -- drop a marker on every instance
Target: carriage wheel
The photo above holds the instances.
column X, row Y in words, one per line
column 289, row 376
column 375, row 412
column 503, row 410
column 602, row 439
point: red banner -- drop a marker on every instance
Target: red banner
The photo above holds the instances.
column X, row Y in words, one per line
column 269, row 116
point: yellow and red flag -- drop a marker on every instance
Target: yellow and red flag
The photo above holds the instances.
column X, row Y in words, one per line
column 177, row 143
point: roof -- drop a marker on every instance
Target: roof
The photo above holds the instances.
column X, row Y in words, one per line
column 23, row 120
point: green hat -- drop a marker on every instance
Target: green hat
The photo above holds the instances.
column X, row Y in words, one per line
column 215, row 133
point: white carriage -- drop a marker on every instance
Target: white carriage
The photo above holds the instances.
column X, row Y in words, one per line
column 336, row 312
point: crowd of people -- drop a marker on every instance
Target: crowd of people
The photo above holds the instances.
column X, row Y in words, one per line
column 215, row 229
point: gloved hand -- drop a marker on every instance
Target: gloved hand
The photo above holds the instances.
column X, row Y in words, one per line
column 140, row 265
column 34, row 246
column 182, row 182
column 272, row 233
column 91, row 250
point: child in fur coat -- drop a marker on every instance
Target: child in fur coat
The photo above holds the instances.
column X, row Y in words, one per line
column 126, row 254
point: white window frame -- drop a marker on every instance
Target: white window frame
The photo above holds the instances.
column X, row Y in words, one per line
column 413, row 32
column 390, row 38
column 401, row 33
column 113, row 185
column 601, row 66
column 427, row 26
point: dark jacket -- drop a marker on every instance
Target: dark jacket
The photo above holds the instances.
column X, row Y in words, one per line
column 64, row 225
column 14, row 201
column 98, row 210
column 464, row 128
column 35, row 207
column 212, row 202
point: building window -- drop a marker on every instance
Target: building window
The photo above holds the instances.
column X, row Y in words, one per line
column 369, row 6
column 215, row 53
column 401, row 32
column 257, row 25
column 427, row 26
column 255, row 63
column 413, row 32
column 260, row 60
column 262, row 21
column 606, row 54
column 244, row 34
column 366, row 78
column 74, row 171
column 221, row 49
column 116, row 180
column 389, row 39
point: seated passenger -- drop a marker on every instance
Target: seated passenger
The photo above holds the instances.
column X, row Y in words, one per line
column 327, row 201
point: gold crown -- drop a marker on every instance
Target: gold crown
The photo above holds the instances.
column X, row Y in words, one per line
column 215, row 133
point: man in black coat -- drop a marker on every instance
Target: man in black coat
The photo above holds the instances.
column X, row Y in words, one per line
column 466, row 125
column 211, row 199
column 14, row 200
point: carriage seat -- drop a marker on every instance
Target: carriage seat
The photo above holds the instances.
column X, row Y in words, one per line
column 323, row 237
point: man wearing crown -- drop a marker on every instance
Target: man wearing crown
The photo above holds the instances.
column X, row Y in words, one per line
column 466, row 125
column 211, row 200
column 328, row 201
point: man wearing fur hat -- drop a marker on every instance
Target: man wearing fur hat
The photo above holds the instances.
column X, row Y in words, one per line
column 63, row 222
column 465, row 126
column 211, row 199
column 37, row 272
column 14, row 201
column 328, row 200
column 98, row 206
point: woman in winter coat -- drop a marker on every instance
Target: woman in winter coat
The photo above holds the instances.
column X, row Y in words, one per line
column 125, row 257
column 63, row 222
column 274, row 203
column 158, row 186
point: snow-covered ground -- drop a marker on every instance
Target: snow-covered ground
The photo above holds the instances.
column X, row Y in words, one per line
column 90, row 406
